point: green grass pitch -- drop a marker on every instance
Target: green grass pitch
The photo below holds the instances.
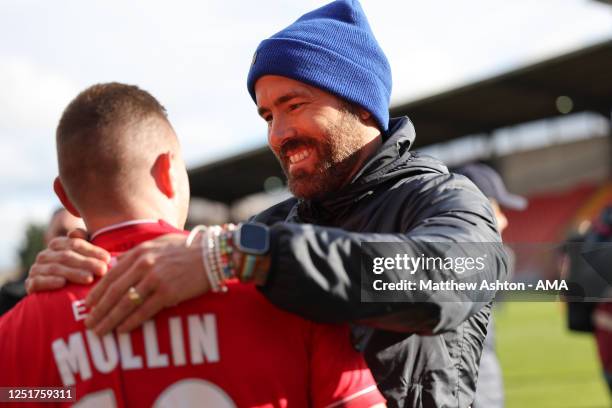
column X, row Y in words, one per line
column 545, row 365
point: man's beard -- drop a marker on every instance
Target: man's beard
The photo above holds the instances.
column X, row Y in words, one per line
column 337, row 153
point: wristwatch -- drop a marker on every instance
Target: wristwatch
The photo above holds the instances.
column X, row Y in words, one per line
column 252, row 238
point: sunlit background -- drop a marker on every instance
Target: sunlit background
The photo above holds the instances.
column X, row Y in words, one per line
column 194, row 57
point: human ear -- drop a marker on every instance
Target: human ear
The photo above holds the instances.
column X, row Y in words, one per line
column 163, row 174
column 58, row 187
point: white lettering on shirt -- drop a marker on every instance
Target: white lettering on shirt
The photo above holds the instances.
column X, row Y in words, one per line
column 128, row 360
column 104, row 358
column 177, row 342
column 154, row 358
column 79, row 310
column 203, row 338
column 72, row 354
column 71, row 358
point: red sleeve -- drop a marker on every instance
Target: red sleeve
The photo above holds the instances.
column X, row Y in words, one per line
column 24, row 346
column 13, row 326
column 22, row 351
column 8, row 351
column 339, row 374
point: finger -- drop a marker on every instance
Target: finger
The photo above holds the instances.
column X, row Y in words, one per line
column 118, row 289
column 72, row 260
column 57, row 270
column 139, row 250
column 161, row 242
column 80, row 246
column 44, row 283
column 36, row 269
column 151, row 306
column 123, row 309
column 78, row 233
column 59, row 243
column 116, row 315
column 121, row 268
column 148, row 288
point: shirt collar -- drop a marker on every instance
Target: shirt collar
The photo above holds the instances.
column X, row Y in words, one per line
column 126, row 235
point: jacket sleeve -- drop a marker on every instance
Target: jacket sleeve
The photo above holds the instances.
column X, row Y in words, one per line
column 316, row 271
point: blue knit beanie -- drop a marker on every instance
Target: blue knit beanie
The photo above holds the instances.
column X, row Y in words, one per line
column 334, row 49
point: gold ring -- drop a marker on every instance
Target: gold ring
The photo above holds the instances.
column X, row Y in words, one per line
column 134, row 296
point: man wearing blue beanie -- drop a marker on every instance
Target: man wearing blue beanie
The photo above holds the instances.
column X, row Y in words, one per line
column 323, row 85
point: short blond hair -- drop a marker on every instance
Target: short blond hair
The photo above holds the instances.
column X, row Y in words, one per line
column 104, row 135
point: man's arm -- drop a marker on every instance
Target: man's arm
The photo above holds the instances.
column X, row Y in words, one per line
column 316, row 271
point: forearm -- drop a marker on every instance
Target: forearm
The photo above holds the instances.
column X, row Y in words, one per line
column 316, row 272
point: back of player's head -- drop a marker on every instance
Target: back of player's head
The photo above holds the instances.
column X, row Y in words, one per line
column 108, row 139
column 108, row 105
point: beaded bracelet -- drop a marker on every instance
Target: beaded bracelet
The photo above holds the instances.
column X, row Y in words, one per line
column 226, row 250
column 215, row 256
column 217, row 252
column 206, row 245
column 193, row 234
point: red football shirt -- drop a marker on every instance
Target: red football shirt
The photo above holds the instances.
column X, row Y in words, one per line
column 220, row 350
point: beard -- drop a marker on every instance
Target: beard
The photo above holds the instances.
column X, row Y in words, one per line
column 337, row 153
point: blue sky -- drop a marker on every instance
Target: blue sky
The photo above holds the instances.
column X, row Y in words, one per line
column 194, row 56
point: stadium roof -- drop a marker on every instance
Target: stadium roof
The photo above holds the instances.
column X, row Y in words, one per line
column 578, row 81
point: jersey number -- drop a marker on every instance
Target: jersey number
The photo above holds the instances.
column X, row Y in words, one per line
column 191, row 392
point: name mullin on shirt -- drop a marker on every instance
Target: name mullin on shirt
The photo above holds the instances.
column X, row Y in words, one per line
column 109, row 352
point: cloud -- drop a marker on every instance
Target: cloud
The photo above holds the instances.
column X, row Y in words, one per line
column 195, row 57
column 26, row 164
column 31, row 97
column 436, row 45
column 31, row 103
column 203, row 141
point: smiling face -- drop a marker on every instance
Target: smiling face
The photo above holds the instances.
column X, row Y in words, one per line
column 317, row 138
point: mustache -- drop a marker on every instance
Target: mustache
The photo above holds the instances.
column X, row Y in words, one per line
column 294, row 143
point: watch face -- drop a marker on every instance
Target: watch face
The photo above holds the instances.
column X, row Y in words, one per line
column 254, row 237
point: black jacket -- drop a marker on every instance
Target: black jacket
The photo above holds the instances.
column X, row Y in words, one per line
column 422, row 354
column 11, row 293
